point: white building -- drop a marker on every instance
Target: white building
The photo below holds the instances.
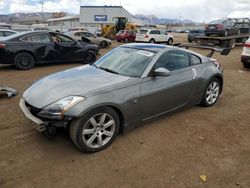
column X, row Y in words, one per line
column 94, row 16
column 63, row 23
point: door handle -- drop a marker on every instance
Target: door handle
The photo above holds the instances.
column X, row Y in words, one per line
column 194, row 73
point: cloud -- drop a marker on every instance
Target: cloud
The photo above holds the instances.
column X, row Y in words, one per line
column 70, row 6
column 197, row 10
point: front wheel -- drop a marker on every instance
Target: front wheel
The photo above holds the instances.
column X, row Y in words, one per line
column 95, row 130
column 152, row 41
column 212, row 93
column 90, row 57
column 170, row 41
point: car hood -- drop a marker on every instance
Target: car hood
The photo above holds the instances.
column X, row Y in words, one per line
column 82, row 81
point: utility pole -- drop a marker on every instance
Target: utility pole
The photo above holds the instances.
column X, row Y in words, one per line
column 42, row 3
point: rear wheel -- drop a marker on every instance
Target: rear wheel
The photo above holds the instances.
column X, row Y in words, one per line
column 212, row 93
column 152, row 41
column 103, row 44
column 24, row 61
column 95, row 130
column 226, row 33
column 90, row 57
column 232, row 43
column 246, row 65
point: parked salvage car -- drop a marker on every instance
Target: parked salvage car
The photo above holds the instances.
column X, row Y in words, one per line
column 25, row 50
column 245, row 55
column 125, row 36
column 99, row 41
column 154, row 36
column 222, row 27
column 127, row 87
column 194, row 33
column 5, row 33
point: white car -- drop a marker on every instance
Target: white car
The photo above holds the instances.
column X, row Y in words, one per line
column 5, row 33
column 154, row 36
column 245, row 55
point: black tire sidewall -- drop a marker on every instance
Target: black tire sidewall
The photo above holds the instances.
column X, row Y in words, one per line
column 152, row 41
column 20, row 66
column 92, row 54
column 83, row 120
column 204, row 101
column 170, row 43
column 103, row 44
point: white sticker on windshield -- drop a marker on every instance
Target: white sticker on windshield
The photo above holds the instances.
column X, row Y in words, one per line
column 146, row 53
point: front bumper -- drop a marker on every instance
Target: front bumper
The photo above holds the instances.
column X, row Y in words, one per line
column 38, row 123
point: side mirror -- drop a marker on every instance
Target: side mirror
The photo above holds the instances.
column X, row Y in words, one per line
column 161, row 72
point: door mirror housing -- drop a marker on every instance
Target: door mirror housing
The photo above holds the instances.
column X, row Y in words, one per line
column 161, row 72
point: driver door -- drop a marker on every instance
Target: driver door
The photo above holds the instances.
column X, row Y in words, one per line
column 67, row 48
column 161, row 94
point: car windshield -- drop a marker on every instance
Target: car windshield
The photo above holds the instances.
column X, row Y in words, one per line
column 120, row 32
column 216, row 22
column 125, row 61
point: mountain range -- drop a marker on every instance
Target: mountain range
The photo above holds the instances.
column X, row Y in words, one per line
column 37, row 17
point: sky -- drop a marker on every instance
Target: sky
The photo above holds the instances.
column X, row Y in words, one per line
column 196, row 10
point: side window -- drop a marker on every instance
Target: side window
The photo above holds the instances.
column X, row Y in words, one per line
column 61, row 38
column 43, row 38
column 1, row 34
column 8, row 33
column 173, row 60
column 153, row 32
column 78, row 34
column 195, row 60
column 162, row 32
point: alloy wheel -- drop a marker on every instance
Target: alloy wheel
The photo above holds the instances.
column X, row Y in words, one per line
column 98, row 130
column 212, row 92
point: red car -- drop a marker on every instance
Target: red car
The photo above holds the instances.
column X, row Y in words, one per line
column 126, row 36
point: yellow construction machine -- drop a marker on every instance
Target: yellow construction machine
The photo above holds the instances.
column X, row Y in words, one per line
column 120, row 23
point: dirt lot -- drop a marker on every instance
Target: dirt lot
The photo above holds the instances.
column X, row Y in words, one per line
column 171, row 152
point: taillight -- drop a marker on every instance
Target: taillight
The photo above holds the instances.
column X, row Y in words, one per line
column 216, row 63
column 220, row 26
column 2, row 45
column 247, row 44
column 146, row 36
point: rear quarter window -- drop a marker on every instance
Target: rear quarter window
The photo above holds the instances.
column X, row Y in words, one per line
column 195, row 60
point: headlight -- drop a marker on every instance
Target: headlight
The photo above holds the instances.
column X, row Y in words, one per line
column 57, row 109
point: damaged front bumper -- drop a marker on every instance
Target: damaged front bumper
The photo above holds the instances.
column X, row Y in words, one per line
column 38, row 123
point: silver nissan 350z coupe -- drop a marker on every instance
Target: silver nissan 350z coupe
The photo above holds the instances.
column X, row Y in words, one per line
column 128, row 86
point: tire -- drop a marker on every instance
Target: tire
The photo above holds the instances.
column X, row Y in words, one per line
column 103, row 44
column 152, row 41
column 213, row 90
column 226, row 33
column 170, row 41
column 246, row 65
column 126, row 40
column 24, row 61
column 95, row 139
column 90, row 57
column 232, row 43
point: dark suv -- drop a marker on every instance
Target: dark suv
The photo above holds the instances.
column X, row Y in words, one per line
column 221, row 27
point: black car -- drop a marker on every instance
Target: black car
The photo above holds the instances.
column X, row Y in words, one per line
column 194, row 33
column 222, row 27
column 25, row 50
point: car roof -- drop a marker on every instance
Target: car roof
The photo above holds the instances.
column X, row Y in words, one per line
column 8, row 30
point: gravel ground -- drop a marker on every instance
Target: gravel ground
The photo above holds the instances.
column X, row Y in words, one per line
column 170, row 152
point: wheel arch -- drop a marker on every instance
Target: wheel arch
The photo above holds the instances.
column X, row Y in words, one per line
column 220, row 78
column 29, row 52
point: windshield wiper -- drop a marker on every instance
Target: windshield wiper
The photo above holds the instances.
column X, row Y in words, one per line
column 108, row 70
